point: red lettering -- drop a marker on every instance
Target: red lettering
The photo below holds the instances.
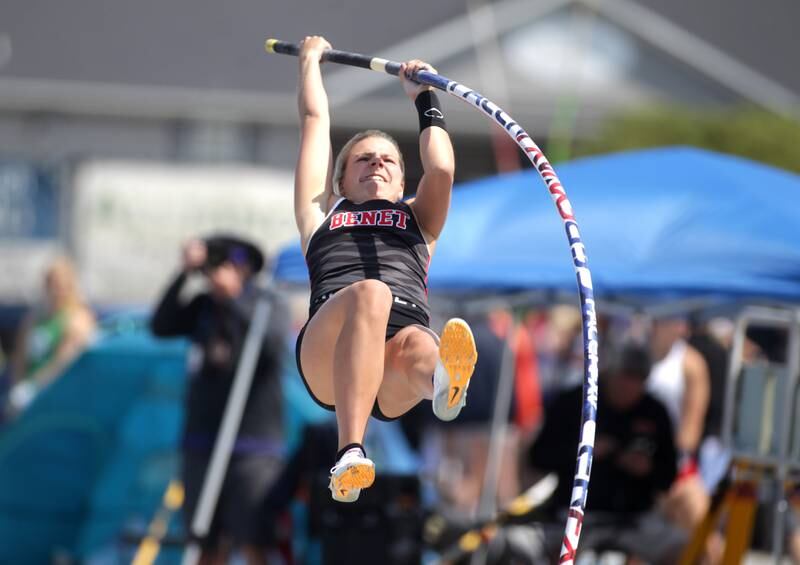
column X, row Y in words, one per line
column 396, row 218
column 386, row 218
column 402, row 217
column 368, row 218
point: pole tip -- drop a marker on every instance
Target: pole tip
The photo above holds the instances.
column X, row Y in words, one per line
column 269, row 45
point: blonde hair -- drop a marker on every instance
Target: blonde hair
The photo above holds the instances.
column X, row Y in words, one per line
column 344, row 153
column 62, row 269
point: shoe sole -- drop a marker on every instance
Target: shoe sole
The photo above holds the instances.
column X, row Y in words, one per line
column 459, row 355
column 357, row 476
column 349, row 496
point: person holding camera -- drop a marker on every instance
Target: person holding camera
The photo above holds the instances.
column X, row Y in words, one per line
column 634, row 465
column 216, row 322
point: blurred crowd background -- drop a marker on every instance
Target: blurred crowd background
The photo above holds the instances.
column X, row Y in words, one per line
column 146, row 156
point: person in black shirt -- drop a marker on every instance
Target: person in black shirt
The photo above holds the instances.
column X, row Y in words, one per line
column 367, row 348
column 635, row 462
column 216, row 322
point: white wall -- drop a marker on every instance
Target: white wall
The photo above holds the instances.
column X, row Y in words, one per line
column 129, row 219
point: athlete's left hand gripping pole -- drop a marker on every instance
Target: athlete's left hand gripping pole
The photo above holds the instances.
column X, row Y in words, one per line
column 583, row 465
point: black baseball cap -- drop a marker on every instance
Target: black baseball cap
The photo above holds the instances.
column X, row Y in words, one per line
column 227, row 247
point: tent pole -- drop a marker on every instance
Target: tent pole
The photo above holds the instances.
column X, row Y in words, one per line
column 499, row 430
column 781, row 508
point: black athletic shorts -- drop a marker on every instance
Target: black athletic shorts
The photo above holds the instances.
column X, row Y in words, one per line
column 403, row 313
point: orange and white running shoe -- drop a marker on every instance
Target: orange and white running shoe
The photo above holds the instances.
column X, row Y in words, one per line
column 457, row 358
column 352, row 472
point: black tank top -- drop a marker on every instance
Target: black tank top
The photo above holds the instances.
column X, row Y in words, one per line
column 377, row 239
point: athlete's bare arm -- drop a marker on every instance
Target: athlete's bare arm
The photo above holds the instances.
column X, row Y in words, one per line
column 432, row 201
column 312, row 184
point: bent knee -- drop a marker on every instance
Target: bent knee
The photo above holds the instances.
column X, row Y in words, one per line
column 414, row 348
column 370, row 295
column 420, row 343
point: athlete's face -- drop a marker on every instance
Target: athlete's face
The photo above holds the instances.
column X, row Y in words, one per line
column 373, row 171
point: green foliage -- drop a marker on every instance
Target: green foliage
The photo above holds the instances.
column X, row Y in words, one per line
column 747, row 132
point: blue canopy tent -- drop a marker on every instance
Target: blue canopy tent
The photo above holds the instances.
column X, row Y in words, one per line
column 673, row 222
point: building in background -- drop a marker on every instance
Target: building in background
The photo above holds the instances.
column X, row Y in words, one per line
column 116, row 112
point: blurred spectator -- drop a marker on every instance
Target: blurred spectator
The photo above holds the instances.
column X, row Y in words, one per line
column 634, row 465
column 679, row 378
column 715, row 354
column 465, row 441
column 712, row 340
column 216, row 321
column 558, row 338
column 51, row 335
column 528, row 400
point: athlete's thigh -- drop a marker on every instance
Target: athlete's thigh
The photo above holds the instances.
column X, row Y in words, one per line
column 396, row 396
column 317, row 347
column 324, row 329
